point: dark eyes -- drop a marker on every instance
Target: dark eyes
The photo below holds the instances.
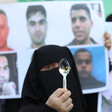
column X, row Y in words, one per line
column 49, row 67
column 73, row 20
column 86, row 61
column 32, row 23
column 6, row 67
column 41, row 22
column 82, row 19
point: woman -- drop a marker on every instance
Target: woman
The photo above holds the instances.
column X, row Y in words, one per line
column 42, row 90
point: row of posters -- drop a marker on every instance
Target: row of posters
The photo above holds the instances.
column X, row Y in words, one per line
column 79, row 25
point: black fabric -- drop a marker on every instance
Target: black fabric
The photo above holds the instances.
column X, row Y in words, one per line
column 39, row 85
column 12, row 105
column 37, row 108
column 48, row 109
column 91, row 100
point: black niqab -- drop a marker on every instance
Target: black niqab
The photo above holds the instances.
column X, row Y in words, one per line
column 39, row 85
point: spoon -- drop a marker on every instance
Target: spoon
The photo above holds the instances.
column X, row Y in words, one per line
column 64, row 69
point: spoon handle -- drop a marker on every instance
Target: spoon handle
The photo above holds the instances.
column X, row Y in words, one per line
column 64, row 82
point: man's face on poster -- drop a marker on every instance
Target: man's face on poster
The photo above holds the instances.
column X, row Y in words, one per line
column 4, row 70
column 81, row 25
column 4, row 30
column 37, row 27
column 83, row 63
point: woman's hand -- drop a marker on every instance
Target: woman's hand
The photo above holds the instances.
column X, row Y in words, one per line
column 60, row 100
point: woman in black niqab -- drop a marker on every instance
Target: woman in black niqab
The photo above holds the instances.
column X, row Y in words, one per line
column 39, row 85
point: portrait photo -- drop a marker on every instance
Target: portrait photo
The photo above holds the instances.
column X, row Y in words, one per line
column 92, row 67
column 8, row 75
column 60, row 23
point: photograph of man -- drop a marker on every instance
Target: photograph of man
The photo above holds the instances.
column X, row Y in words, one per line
column 36, row 25
column 4, row 31
column 83, row 59
column 8, row 75
column 81, row 25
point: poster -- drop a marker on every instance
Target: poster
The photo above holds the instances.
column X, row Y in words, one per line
column 57, row 27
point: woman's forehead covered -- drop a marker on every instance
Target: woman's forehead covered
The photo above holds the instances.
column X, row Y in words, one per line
column 50, row 54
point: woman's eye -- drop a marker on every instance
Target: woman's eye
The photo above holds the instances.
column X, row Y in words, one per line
column 49, row 67
column 46, row 68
